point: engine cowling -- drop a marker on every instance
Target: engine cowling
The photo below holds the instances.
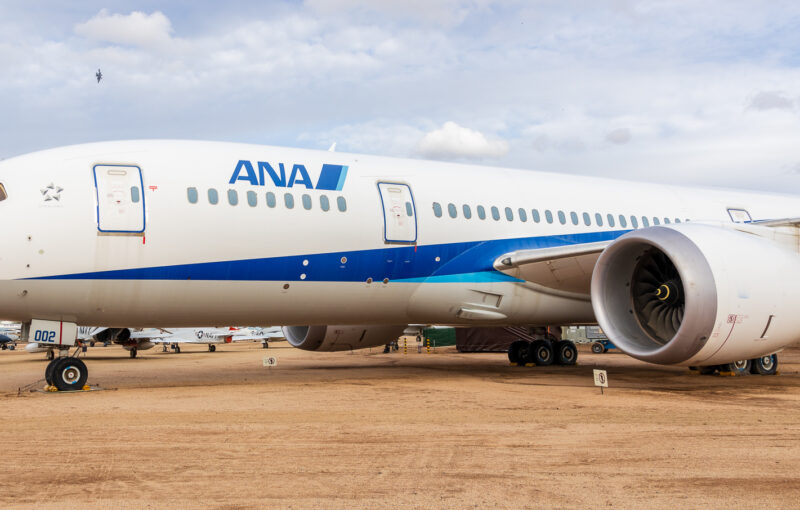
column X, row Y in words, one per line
column 696, row 294
column 340, row 338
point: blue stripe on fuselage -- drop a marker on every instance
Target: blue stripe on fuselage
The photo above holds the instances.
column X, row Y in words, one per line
column 468, row 261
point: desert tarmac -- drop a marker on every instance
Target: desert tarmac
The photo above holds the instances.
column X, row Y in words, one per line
column 372, row 430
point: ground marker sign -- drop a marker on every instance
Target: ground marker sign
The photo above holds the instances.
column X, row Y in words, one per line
column 270, row 361
column 600, row 379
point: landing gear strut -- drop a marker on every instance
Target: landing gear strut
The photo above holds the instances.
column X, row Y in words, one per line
column 212, row 347
column 133, row 352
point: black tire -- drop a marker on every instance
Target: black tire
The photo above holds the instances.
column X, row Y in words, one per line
column 69, row 374
column 708, row 370
column 265, row 345
column 741, row 367
column 178, row 348
column 566, row 353
column 48, row 372
column 517, row 352
column 765, row 365
column 598, row 348
column 212, row 348
column 12, row 347
column 542, row 353
column 133, row 352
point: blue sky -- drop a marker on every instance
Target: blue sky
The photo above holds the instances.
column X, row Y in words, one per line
column 704, row 92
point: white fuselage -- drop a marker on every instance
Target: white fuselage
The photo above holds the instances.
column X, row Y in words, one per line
column 90, row 250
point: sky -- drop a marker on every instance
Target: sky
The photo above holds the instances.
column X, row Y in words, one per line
column 701, row 92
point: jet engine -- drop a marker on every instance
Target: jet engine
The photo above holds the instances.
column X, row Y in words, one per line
column 340, row 338
column 697, row 294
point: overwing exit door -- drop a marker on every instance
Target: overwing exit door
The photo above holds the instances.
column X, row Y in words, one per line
column 120, row 199
column 399, row 213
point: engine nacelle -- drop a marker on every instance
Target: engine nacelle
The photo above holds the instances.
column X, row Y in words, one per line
column 695, row 294
column 340, row 338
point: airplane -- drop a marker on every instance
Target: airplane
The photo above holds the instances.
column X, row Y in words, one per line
column 351, row 251
column 9, row 333
column 98, row 75
column 208, row 336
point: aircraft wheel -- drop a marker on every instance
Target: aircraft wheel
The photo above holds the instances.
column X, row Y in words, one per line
column 212, row 348
column 133, row 352
column 765, row 365
column 542, row 352
column 597, row 348
column 69, row 374
column 48, row 372
column 178, row 348
column 51, row 355
column 265, row 345
column 12, row 347
column 515, row 352
column 741, row 367
column 566, row 353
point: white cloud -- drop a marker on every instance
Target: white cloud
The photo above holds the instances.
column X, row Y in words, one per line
column 619, row 136
column 134, row 29
column 770, row 100
column 454, row 141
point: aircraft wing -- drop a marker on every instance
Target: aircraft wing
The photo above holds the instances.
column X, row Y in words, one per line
column 561, row 269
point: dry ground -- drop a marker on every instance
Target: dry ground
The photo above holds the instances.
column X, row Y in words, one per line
column 368, row 430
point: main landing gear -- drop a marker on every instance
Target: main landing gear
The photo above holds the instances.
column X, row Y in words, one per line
column 765, row 365
column 66, row 373
column 212, row 347
column 543, row 352
column 133, row 352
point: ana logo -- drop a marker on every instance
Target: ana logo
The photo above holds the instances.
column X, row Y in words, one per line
column 331, row 177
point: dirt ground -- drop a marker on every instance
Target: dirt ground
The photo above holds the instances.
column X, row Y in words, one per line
column 371, row 430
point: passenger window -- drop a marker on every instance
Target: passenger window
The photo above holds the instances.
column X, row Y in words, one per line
column 409, row 210
column 574, row 217
column 610, row 219
column 523, row 215
column 598, row 218
column 252, row 198
column 666, row 221
column 645, row 221
column 587, row 220
column 191, row 194
column 288, row 200
column 271, row 199
column 324, row 203
column 233, row 197
column 3, row 194
column 341, row 204
column 437, row 210
column 481, row 212
column 495, row 213
column 467, row 211
column 656, row 221
column 135, row 194
column 306, row 202
column 509, row 214
column 548, row 216
column 677, row 220
column 451, row 210
column 634, row 222
column 562, row 218
column 213, row 196
column 535, row 215
column 622, row 221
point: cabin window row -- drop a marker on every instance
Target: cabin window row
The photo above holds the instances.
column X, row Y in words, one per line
column 271, row 199
column 561, row 217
